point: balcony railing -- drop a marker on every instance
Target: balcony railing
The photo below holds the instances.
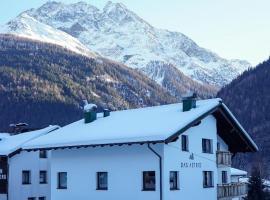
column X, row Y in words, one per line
column 227, row 191
column 224, row 158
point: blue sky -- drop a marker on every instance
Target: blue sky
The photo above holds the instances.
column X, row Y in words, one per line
column 232, row 28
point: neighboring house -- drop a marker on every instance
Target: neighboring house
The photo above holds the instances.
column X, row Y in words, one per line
column 169, row 152
column 23, row 174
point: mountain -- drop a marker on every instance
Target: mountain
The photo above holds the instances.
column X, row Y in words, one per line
column 42, row 83
column 117, row 33
column 26, row 26
column 248, row 97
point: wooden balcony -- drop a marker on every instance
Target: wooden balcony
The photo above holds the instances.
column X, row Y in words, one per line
column 224, row 158
column 228, row 191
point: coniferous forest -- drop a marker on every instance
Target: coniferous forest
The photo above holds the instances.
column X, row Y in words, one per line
column 248, row 97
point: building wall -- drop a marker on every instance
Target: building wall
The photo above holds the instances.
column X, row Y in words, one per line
column 124, row 165
column 28, row 161
column 191, row 177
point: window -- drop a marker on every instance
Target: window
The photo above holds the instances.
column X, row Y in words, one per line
column 184, row 139
column 149, row 181
column 224, row 177
column 174, row 180
column 208, row 179
column 41, row 198
column 42, row 154
column 102, row 180
column 207, row 146
column 218, row 146
column 43, row 177
column 26, row 177
column 62, row 180
column 31, row 198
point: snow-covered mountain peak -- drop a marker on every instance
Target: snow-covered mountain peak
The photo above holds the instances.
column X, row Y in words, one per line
column 119, row 34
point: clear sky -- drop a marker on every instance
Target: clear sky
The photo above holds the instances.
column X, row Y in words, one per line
column 232, row 28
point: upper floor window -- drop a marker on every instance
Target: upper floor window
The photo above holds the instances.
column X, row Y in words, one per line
column 62, row 180
column 224, row 177
column 207, row 146
column 42, row 154
column 184, row 140
column 149, row 181
column 208, row 179
column 26, row 177
column 31, row 198
column 174, row 180
column 43, row 177
column 102, row 180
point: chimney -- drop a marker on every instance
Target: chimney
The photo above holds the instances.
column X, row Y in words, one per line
column 106, row 113
column 90, row 112
column 189, row 102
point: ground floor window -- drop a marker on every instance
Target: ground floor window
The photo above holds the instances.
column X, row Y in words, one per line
column 208, row 179
column 43, row 177
column 224, row 177
column 62, row 180
column 41, row 198
column 102, row 180
column 26, row 177
column 149, row 181
column 174, row 180
column 31, row 198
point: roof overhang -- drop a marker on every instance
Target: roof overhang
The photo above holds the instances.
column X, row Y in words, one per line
column 228, row 128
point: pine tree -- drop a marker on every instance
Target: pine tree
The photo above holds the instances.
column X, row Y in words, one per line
column 256, row 188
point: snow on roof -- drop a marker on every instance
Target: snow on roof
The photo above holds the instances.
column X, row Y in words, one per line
column 237, row 172
column 11, row 143
column 4, row 135
column 135, row 125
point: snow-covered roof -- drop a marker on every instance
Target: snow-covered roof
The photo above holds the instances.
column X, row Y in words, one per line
column 151, row 124
column 11, row 143
column 238, row 172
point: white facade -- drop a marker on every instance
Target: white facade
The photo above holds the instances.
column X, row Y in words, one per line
column 29, row 161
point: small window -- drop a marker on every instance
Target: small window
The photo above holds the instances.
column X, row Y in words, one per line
column 149, row 181
column 43, row 177
column 26, row 177
column 62, row 180
column 174, row 180
column 208, row 179
column 207, row 146
column 224, row 177
column 184, row 139
column 41, row 198
column 31, row 198
column 218, row 146
column 42, row 154
column 102, row 180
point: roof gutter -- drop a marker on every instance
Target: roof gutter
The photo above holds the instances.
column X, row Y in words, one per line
column 160, row 171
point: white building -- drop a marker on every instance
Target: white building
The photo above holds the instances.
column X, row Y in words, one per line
column 22, row 174
column 177, row 151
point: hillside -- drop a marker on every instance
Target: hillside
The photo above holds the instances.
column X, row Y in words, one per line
column 45, row 84
column 248, row 97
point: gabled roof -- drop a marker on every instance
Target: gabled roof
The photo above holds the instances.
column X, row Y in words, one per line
column 11, row 143
column 144, row 125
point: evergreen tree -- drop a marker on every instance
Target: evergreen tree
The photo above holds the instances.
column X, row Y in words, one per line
column 256, row 188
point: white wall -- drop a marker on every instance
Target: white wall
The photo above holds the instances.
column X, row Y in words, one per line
column 191, row 179
column 124, row 165
column 28, row 161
